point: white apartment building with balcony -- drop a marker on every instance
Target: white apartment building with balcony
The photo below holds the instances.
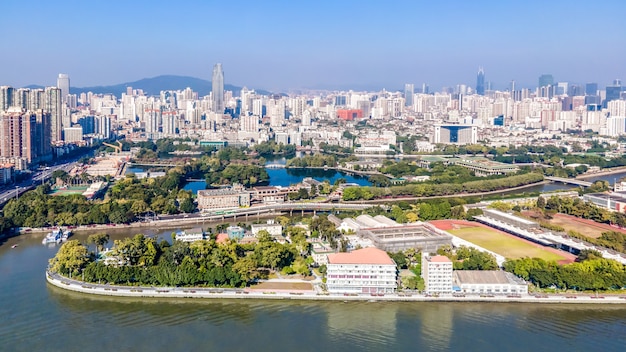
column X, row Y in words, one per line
column 437, row 274
column 367, row 270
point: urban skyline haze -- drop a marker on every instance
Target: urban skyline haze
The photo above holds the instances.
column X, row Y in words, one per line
column 283, row 45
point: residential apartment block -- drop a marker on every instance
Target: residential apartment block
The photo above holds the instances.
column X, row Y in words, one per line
column 367, row 270
column 437, row 274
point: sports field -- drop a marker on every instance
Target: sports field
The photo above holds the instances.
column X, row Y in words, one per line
column 588, row 228
column 68, row 191
column 502, row 243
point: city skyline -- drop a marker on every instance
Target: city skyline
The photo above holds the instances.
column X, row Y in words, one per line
column 284, row 45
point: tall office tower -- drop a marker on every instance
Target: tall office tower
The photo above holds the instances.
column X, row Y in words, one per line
column 425, row 88
column 218, row 89
column 6, row 97
column 54, row 106
column 591, row 89
column 409, row 90
column 612, row 93
column 562, row 88
column 480, row 82
column 63, row 83
column 546, row 80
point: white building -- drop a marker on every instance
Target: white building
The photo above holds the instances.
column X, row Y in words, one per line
column 367, row 270
column 192, row 235
column 489, row 282
column 275, row 230
column 320, row 252
column 437, row 274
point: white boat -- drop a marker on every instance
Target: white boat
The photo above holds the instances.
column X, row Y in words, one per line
column 66, row 234
column 53, row 237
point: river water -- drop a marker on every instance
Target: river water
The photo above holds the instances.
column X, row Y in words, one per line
column 40, row 317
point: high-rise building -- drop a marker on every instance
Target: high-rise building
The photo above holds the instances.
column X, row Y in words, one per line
column 24, row 137
column 53, row 105
column 218, row 89
column 63, row 83
column 455, row 134
column 546, row 80
column 612, row 93
column 6, row 97
column 409, row 90
column 102, row 126
column 591, row 89
column 480, row 82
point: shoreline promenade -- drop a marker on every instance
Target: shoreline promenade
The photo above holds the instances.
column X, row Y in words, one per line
column 232, row 293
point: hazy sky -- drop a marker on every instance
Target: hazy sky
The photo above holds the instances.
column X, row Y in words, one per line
column 292, row 44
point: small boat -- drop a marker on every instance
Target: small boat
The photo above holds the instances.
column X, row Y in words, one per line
column 15, row 246
column 53, row 237
column 66, row 234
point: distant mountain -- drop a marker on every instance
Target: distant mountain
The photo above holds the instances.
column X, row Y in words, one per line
column 152, row 86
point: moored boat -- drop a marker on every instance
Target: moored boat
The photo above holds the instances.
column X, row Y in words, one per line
column 53, row 237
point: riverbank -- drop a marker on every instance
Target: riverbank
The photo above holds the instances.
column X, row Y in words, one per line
column 222, row 293
column 163, row 224
column 611, row 171
column 459, row 195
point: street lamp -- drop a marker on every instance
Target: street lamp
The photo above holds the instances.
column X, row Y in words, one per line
column 17, row 192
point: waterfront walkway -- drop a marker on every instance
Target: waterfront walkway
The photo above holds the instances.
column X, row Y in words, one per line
column 230, row 293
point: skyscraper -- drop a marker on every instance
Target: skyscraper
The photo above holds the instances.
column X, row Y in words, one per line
column 546, row 80
column 480, row 82
column 53, row 106
column 63, row 83
column 408, row 94
column 218, row 89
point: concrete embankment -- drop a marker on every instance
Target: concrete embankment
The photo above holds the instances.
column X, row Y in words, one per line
column 219, row 293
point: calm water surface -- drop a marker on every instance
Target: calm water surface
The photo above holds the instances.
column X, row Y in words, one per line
column 39, row 317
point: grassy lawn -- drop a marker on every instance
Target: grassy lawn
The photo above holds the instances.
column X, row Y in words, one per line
column 507, row 246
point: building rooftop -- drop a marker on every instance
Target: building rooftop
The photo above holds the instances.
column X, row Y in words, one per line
column 439, row 259
column 361, row 256
column 485, row 277
column 509, row 216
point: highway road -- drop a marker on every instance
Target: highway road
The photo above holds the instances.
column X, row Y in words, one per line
column 37, row 178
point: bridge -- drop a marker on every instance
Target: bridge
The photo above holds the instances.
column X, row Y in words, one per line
column 569, row 180
column 275, row 166
column 153, row 164
column 212, row 214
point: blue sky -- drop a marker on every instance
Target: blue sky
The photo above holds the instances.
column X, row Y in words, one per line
column 282, row 45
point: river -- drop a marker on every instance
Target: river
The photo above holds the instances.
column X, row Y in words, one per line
column 286, row 177
column 40, row 317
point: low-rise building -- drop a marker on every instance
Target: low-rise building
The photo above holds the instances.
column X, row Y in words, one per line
column 320, row 252
column 367, row 270
column 275, row 230
column 437, row 274
column 223, row 198
column 192, row 235
column 488, row 282
column 235, row 232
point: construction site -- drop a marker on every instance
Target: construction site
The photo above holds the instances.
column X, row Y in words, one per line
column 111, row 164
